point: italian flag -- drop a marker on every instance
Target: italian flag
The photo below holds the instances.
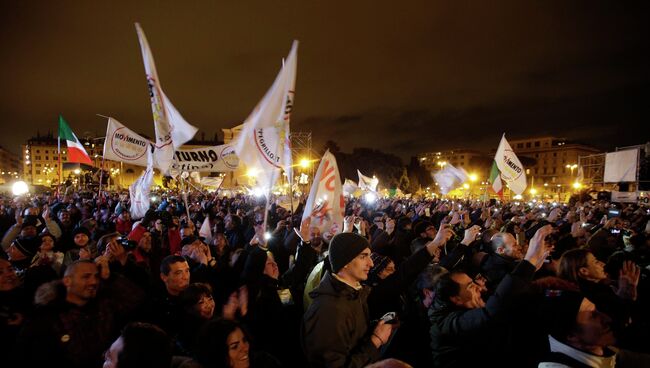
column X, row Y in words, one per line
column 76, row 151
column 495, row 179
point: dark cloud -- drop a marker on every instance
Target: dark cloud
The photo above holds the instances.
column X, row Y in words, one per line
column 405, row 78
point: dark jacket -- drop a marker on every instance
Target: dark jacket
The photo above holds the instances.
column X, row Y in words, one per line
column 457, row 334
column 335, row 330
column 494, row 268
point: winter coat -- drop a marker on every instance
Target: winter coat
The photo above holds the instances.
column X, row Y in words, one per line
column 335, row 330
column 458, row 334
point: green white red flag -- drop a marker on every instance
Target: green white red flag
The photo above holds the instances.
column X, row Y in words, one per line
column 495, row 180
column 76, row 151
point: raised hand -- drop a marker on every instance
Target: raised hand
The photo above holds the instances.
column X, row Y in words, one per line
column 628, row 279
column 471, row 234
column 538, row 249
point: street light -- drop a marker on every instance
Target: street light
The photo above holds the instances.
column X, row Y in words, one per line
column 304, row 163
column 473, row 177
column 442, row 164
column 572, row 167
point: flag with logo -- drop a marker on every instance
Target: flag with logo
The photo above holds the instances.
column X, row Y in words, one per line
column 495, row 180
column 326, row 204
column 262, row 143
column 76, row 151
column 206, row 230
column 172, row 131
column 124, row 145
column 140, row 189
column 367, row 183
column 512, row 171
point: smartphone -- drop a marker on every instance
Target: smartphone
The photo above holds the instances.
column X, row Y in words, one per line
column 613, row 213
column 427, row 212
column 390, row 317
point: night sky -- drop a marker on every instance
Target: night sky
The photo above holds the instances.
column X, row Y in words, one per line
column 404, row 77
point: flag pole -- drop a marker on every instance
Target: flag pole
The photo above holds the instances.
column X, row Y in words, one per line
column 60, row 165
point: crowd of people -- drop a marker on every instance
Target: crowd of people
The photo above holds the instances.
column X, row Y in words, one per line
column 421, row 283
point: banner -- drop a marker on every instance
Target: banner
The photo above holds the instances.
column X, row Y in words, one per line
column 172, row 131
column 262, row 142
column 220, row 158
column 326, row 204
column 367, row 183
column 124, row 145
column 211, row 182
column 139, row 191
column 450, row 178
column 349, row 187
column 512, row 171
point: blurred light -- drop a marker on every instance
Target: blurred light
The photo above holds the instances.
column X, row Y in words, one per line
column 154, row 198
column 518, row 196
column 304, row 163
column 541, row 206
column 543, row 214
column 370, row 197
column 258, row 192
column 577, row 185
column 252, row 172
column 466, row 186
column 533, row 191
column 19, row 188
column 554, row 204
column 77, row 171
column 267, row 235
column 473, row 177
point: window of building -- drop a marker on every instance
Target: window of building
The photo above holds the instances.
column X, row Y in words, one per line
column 554, row 154
column 536, row 143
column 544, row 171
column 537, row 155
column 527, row 144
column 38, row 165
column 47, row 158
column 536, row 171
column 37, row 157
column 554, row 170
column 462, row 156
column 564, row 170
column 520, row 145
column 38, row 172
column 37, row 151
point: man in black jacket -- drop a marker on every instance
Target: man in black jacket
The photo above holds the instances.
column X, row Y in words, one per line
column 336, row 331
column 460, row 318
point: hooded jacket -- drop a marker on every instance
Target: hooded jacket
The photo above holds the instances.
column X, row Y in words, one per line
column 335, row 330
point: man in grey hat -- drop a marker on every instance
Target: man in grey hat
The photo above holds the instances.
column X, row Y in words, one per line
column 336, row 329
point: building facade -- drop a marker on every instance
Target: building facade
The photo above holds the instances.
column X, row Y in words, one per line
column 433, row 161
column 556, row 159
column 10, row 168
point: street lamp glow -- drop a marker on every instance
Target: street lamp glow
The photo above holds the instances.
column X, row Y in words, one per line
column 518, row 196
column 77, row 171
column 304, row 163
column 19, row 188
column 370, row 197
column 577, row 185
column 466, row 186
column 533, row 191
column 473, row 177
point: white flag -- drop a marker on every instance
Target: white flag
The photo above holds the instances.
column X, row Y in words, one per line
column 367, row 183
column 206, row 230
column 349, row 187
column 512, row 171
column 139, row 190
column 214, row 182
column 124, row 145
column 261, row 144
column 450, row 178
column 172, row 131
column 326, row 204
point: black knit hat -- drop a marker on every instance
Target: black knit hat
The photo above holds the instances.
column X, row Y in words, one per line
column 29, row 221
column 27, row 246
column 344, row 247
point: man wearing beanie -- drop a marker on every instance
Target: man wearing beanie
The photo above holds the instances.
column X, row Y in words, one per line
column 21, row 252
column 336, row 330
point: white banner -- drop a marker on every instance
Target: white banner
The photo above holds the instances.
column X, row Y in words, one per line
column 349, row 187
column 512, row 171
column 124, row 145
column 139, row 191
column 621, row 166
column 367, row 183
column 207, row 159
column 326, row 204
column 261, row 144
column 450, row 178
column 172, row 131
column 211, row 182
column 625, row 197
